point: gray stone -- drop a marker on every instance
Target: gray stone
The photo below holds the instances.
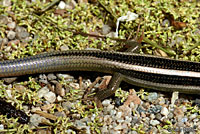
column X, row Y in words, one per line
column 11, row 25
column 154, row 122
column 11, row 35
column 50, row 97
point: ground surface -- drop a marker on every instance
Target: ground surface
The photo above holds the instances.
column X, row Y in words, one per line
column 54, row 101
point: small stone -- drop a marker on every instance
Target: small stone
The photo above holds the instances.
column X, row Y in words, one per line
column 161, row 101
column 135, row 120
column 164, row 111
column 50, row 97
column 42, row 92
column 106, row 29
column 20, row 88
column 197, row 102
column 113, row 112
column 64, row 48
column 170, row 115
column 104, row 129
column 51, row 76
column 166, row 22
column 60, row 114
column 7, row 49
column 65, row 76
column 11, row 35
column 106, row 102
column 67, row 105
column 11, row 25
column 133, row 132
column 3, row 19
column 128, row 119
column 74, row 85
column 5, row 41
column 10, row 80
column 119, row 115
column 152, row 116
column 154, row 122
column 152, row 97
column 6, row 3
column 59, row 90
column 61, row 5
column 22, row 35
column 36, row 119
column 158, row 116
column 9, row 93
column 59, row 98
column 110, row 107
column 185, row 119
column 118, row 127
column 192, row 116
column 1, row 127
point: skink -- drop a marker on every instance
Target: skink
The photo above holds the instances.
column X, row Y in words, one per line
column 141, row 70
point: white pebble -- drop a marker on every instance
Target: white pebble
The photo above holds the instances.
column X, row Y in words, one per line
column 119, row 115
column 42, row 92
column 105, row 103
column 164, row 111
column 1, row 126
column 11, row 25
column 50, row 97
column 61, row 5
column 154, row 122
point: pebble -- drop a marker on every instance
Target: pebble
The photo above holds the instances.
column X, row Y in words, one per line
column 11, row 25
column 50, row 97
column 51, row 76
column 118, row 115
column 113, row 112
column 42, row 92
column 170, row 115
column 60, row 114
column 36, row 119
column 192, row 116
column 155, row 109
column 59, row 90
column 152, row 97
column 1, row 127
column 106, row 29
column 64, row 48
column 11, row 35
column 65, row 76
column 67, row 105
column 161, row 101
column 74, row 85
column 59, row 98
column 154, row 122
column 152, row 116
column 158, row 116
column 6, row 3
column 166, row 22
column 61, row 5
column 104, row 129
column 110, row 107
column 22, row 35
column 197, row 102
column 10, row 80
column 106, row 102
column 3, row 19
column 20, row 88
column 164, row 111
